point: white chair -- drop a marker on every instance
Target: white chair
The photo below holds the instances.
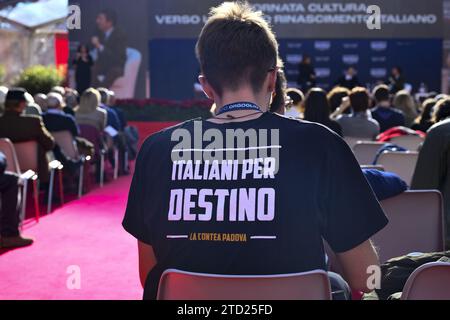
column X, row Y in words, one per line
column 372, row 167
column 430, row 281
column 67, row 143
column 366, row 151
column 181, row 285
column 401, row 163
column 27, row 154
column 124, row 86
column 409, row 142
column 416, row 224
column 13, row 165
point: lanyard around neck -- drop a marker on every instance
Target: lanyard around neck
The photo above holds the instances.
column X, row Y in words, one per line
column 238, row 106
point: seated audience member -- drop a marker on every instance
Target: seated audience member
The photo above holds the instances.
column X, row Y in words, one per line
column 9, row 209
column 119, row 112
column 317, row 110
column 433, row 166
column 55, row 119
column 10, row 236
column 112, row 118
column 383, row 112
column 404, row 102
column 279, row 95
column 295, row 110
column 424, row 121
column 60, row 90
column 32, row 109
column 295, row 219
column 349, row 80
column 89, row 111
column 385, row 184
column 71, row 99
column 21, row 128
column 359, row 124
column 3, row 92
column 336, row 96
column 41, row 100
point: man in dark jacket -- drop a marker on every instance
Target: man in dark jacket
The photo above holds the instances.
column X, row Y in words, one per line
column 21, row 128
column 9, row 214
column 433, row 166
column 386, row 116
column 111, row 50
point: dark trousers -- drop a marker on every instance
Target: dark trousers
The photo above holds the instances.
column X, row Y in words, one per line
column 9, row 213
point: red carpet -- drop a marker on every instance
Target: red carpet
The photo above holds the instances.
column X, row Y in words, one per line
column 85, row 233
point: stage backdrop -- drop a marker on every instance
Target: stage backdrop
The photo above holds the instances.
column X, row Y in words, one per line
column 132, row 20
column 334, row 32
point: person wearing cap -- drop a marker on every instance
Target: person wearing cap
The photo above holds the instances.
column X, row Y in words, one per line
column 21, row 128
column 9, row 209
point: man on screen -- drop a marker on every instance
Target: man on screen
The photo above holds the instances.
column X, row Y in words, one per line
column 251, row 206
column 110, row 46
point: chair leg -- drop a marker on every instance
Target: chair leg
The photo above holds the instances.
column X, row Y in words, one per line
column 50, row 191
column 80, row 181
column 61, row 187
column 36, row 199
column 24, row 201
column 116, row 164
column 125, row 161
column 102, row 169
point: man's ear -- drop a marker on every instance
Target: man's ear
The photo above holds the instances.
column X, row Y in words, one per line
column 272, row 80
column 207, row 89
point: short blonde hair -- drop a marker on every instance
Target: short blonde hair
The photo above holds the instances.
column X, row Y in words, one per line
column 236, row 46
column 90, row 100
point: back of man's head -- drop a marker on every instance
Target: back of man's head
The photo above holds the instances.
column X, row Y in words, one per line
column 381, row 93
column 59, row 89
column 16, row 99
column 359, row 99
column 236, row 47
column 54, row 100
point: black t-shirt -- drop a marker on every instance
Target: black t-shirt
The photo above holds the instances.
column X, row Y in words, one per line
column 266, row 214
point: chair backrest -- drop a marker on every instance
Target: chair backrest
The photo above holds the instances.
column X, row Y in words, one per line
column 366, row 151
column 93, row 135
column 66, row 142
column 180, row 285
column 401, row 163
column 352, row 141
column 409, row 142
column 430, row 281
column 373, row 167
column 416, row 224
column 27, row 154
column 7, row 148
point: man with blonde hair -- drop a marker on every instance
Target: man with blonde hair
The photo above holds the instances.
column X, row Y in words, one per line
column 248, row 191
